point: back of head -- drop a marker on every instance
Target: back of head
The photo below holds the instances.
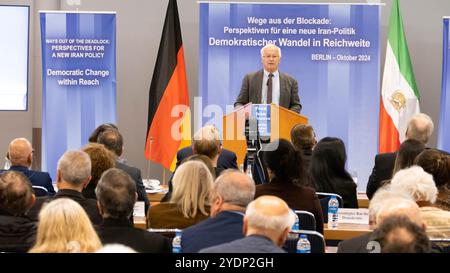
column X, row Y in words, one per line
column 204, row 159
column 381, row 196
column 398, row 206
column 417, row 183
column 192, row 183
column 235, row 187
column 207, row 141
column 101, row 160
column 113, row 141
column 100, row 129
column 437, row 164
column 269, row 214
column 20, row 152
column 398, row 234
column 65, row 227
column 115, row 248
column 16, row 193
column 284, row 161
column 407, row 152
column 420, row 127
column 116, row 193
column 303, row 137
column 74, row 167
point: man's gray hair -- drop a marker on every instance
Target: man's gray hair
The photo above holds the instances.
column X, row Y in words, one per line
column 420, row 127
column 416, row 182
column 265, row 221
column 235, row 188
column 74, row 167
column 270, row 46
column 379, row 199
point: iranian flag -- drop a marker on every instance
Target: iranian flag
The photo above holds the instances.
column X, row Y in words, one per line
column 399, row 93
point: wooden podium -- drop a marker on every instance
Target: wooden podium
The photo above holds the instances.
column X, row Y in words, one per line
column 281, row 122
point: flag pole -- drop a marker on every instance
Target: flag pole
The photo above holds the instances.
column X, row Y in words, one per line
column 148, row 161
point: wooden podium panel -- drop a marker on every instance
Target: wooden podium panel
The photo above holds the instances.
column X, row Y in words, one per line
column 281, row 122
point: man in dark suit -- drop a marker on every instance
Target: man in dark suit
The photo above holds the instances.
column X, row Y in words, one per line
column 112, row 139
column 20, row 154
column 267, row 222
column 231, row 194
column 227, row 159
column 73, row 175
column 420, row 127
column 269, row 85
column 17, row 231
column 116, row 195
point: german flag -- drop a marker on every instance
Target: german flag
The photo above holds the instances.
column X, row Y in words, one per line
column 168, row 128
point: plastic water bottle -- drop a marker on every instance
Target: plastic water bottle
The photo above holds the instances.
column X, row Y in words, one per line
column 296, row 225
column 176, row 243
column 249, row 171
column 303, row 245
column 333, row 207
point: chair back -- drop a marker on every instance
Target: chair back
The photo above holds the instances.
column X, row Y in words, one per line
column 40, row 191
column 442, row 244
column 316, row 240
column 166, row 232
column 324, row 198
column 306, row 220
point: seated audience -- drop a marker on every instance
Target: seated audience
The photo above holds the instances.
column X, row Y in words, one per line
column 189, row 203
column 93, row 138
column 116, row 195
column 17, row 231
column 267, row 223
column 73, row 175
column 398, row 234
column 231, row 194
column 304, row 139
column 101, row 160
column 286, row 176
column 64, row 227
column 113, row 141
column 20, row 154
column 327, row 170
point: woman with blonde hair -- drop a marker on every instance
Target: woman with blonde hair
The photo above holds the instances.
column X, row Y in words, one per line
column 64, row 227
column 189, row 204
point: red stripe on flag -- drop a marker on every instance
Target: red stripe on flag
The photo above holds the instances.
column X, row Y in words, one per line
column 389, row 137
column 164, row 147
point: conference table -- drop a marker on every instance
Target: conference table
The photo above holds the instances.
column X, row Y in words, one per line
column 363, row 200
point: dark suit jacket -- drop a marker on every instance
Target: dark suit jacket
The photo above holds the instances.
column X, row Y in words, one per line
column 115, row 231
column 17, row 234
column 89, row 205
column 297, row 198
column 251, row 91
column 224, row 228
column 249, row 244
column 135, row 173
column 382, row 170
column 355, row 245
column 36, row 178
column 227, row 159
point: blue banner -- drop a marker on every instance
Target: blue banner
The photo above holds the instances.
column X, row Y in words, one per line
column 444, row 120
column 79, row 80
column 331, row 49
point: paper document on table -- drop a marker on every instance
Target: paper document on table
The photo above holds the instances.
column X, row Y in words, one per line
column 139, row 209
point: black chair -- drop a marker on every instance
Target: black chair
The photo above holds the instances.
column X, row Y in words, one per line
column 40, row 191
column 166, row 232
column 324, row 198
column 441, row 244
column 306, row 220
column 316, row 240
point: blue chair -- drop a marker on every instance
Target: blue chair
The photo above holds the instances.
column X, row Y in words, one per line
column 306, row 220
column 316, row 240
column 324, row 198
column 40, row 191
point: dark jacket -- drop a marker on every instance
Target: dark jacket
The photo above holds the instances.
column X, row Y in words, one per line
column 89, row 205
column 382, row 170
column 227, row 159
column 17, row 234
column 224, row 228
column 297, row 198
column 347, row 189
column 135, row 174
column 36, row 178
column 249, row 244
column 355, row 245
column 115, row 231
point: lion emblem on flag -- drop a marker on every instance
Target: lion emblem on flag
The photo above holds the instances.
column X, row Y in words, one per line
column 398, row 100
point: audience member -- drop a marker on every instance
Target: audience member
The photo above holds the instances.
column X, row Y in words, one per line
column 73, row 175
column 328, row 171
column 420, row 127
column 407, row 152
column 93, row 138
column 20, row 154
column 304, row 139
column 284, row 165
column 189, row 203
column 267, row 223
column 231, row 194
column 17, row 231
column 113, row 141
column 116, row 195
column 101, row 160
column 64, row 227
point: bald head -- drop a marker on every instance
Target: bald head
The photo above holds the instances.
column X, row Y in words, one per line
column 400, row 207
column 235, row 188
column 420, row 127
column 20, row 152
